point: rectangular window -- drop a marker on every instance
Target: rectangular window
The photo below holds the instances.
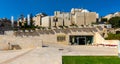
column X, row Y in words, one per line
column 61, row 38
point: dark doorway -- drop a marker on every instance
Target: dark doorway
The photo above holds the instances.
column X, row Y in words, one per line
column 80, row 40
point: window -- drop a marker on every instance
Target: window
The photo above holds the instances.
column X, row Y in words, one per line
column 61, row 38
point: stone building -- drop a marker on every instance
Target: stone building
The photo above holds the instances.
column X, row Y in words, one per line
column 68, row 36
column 112, row 15
column 58, row 20
column 65, row 19
column 38, row 19
column 83, row 17
column 48, row 22
column 21, row 21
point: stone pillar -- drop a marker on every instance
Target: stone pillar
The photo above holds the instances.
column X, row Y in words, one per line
column 12, row 21
column 28, row 20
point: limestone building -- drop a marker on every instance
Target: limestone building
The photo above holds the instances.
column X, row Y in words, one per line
column 21, row 21
column 83, row 17
column 58, row 20
column 63, row 18
column 48, row 22
column 112, row 15
column 38, row 19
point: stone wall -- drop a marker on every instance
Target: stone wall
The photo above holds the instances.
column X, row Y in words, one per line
column 112, row 42
column 99, row 40
column 7, row 42
column 37, row 38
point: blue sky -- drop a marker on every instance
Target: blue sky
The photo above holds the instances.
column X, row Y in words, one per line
column 14, row 8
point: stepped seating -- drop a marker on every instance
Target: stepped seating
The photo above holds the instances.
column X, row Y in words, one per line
column 41, row 31
column 86, row 29
column 1, row 32
column 94, row 29
column 57, row 30
column 79, row 30
column 65, row 31
column 34, row 33
column 73, row 29
column 100, row 28
column 26, row 34
column 51, row 32
column 46, row 31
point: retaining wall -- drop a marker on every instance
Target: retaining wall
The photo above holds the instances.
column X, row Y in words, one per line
column 6, row 42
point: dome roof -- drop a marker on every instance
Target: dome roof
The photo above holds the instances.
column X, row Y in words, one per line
column 84, row 10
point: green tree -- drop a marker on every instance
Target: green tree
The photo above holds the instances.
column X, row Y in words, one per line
column 20, row 24
column 104, row 20
column 115, row 21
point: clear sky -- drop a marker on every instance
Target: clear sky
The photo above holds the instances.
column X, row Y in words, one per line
column 14, row 8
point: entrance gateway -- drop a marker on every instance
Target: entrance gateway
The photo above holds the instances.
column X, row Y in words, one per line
column 80, row 40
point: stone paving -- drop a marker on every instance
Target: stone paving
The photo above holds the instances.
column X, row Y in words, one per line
column 8, row 56
column 52, row 54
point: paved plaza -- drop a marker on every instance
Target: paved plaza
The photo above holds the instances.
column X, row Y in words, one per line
column 52, row 54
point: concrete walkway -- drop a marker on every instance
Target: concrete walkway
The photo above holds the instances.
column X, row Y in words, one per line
column 11, row 55
column 39, row 56
column 52, row 55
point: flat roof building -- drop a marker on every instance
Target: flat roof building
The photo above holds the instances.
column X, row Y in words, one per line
column 83, row 16
column 76, row 17
column 38, row 19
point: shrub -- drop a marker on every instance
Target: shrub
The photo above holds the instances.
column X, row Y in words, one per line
column 113, row 36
